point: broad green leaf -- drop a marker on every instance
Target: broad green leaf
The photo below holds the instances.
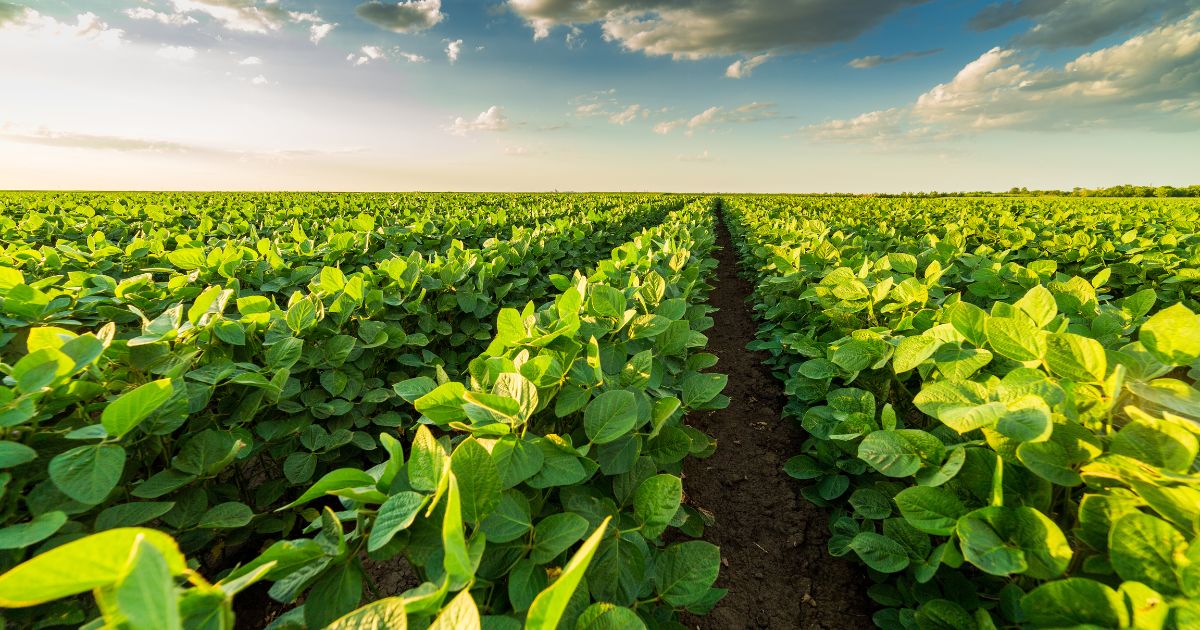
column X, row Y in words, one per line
column 554, row 534
column 14, row 454
column 331, row 481
column 395, row 515
column 605, row 616
column 1016, row 338
column 444, row 404
column 1076, row 357
column 913, row 351
column 228, row 515
column 1074, row 602
column 478, row 480
column 1038, row 303
column 685, row 571
column 457, row 561
column 656, row 501
column 82, row 565
column 88, row 473
column 548, row 608
column 382, row 614
column 1172, row 335
column 931, row 510
column 40, row 528
column 880, row 552
column 145, row 594
column 132, row 407
column 1149, row 550
column 510, row 520
column 610, row 415
column 1020, row 540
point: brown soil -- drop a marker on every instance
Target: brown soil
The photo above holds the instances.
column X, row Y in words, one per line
column 773, row 555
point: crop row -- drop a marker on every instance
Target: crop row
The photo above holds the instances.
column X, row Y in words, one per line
column 247, row 370
column 1000, row 398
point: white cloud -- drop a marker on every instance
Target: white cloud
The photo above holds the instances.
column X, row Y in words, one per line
column 628, row 114
column 170, row 19
column 743, row 68
column 491, row 120
column 250, row 61
column 176, row 53
column 250, row 16
column 411, row 16
column 719, row 116
column 259, row 80
column 453, row 50
column 413, row 57
column 1150, row 80
column 318, row 28
column 367, row 55
column 708, row 28
column 87, row 27
column 872, row 61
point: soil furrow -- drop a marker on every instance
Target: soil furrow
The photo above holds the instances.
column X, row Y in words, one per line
column 773, row 543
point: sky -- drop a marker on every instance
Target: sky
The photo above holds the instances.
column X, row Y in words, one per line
column 632, row 95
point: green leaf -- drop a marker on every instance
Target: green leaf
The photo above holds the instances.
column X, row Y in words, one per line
column 605, row 616
column 1005, row 541
column 554, row 534
column 913, row 351
column 334, row 480
column 88, row 473
column 525, row 581
column 510, row 520
column 382, row 614
column 606, row 301
column 228, row 515
column 970, row 321
column 960, row 405
column 395, row 515
column 40, row 528
column 610, row 415
column 900, row 453
column 1074, row 602
column 880, row 552
column 130, row 514
column 548, row 608
column 516, row 460
column 698, row 389
column 1172, row 335
column 478, row 479
column 1076, row 357
column 1038, row 303
column 1050, row 461
column 930, row 510
column 456, row 561
column 82, row 565
column 656, row 501
column 189, row 259
column 684, row 572
column 1159, row 444
column 14, row 454
column 1026, row 419
column 132, row 407
column 1149, row 550
column 425, row 461
column 444, row 404
column 1016, row 338
column 145, row 594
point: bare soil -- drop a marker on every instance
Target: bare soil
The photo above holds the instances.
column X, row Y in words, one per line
column 773, row 554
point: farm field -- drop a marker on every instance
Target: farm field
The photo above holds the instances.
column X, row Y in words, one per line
column 303, row 410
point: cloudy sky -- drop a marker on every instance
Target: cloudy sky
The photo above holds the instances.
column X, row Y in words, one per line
column 700, row 95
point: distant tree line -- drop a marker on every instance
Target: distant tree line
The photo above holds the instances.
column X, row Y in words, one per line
column 1124, row 190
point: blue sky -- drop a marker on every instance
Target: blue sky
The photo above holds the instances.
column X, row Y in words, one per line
column 703, row 95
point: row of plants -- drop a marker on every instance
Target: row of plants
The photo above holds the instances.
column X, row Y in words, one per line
column 200, row 423
column 1003, row 439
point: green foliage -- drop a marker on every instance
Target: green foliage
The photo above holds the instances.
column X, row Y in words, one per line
column 1017, row 378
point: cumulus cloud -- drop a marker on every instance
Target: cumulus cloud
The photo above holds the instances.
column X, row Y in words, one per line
column 259, row 80
column 711, row 28
column 453, row 50
column 742, row 68
column 871, row 61
column 1151, row 80
column 1062, row 23
column 368, row 54
column 318, row 28
column 170, row 19
column 411, row 16
column 176, row 53
column 249, row 16
column 491, row 120
column 87, row 26
column 628, row 114
column 250, row 61
column 719, row 116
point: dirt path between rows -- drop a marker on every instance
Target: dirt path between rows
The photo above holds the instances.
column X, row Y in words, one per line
column 775, row 565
